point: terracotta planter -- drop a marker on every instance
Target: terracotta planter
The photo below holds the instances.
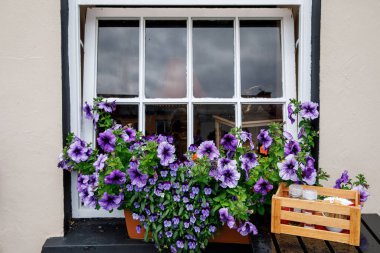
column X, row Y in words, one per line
column 226, row 235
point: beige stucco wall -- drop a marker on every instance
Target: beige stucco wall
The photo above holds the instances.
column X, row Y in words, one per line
column 350, row 91
column 31, row 191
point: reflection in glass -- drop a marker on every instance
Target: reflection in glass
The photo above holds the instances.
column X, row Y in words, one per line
column 168, row 119
column 118, row 58
column 258, row 116
column 260, row 58
column 165, row 59
column 212, row 122
column 213, row 58
column 127, row 115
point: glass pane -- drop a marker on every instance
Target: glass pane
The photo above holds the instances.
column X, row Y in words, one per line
column 168, row 119
column 211, row 122
column 127, row 115
column 118, row 58
column 258, row 116
column 165, row 59
column 260, row 58
column 213, row 58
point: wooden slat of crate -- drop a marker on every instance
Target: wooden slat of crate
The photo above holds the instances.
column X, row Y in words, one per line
column 314, row 205
column 315, row 219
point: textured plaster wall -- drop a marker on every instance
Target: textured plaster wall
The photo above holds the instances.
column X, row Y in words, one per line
column 350, row 91
column 31, row 191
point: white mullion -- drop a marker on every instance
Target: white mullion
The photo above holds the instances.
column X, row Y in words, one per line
column 189, row 71
column 141, row 74
column 238, row 118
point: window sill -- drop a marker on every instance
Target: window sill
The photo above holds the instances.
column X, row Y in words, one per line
column 110, row 235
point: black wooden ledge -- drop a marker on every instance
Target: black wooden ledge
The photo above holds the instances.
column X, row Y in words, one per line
column 109, row 235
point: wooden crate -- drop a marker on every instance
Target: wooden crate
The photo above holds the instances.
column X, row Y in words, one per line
column 283, row 217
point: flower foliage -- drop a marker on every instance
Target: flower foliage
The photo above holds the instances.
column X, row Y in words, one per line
column 180, row 202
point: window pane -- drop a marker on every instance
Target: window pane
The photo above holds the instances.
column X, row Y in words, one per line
column 127, row 115
column 168, row 119
column 211, row 122
column 213, row 58
column 258, row 116
column 165, row 59
column 118, row 58
column 260, row 58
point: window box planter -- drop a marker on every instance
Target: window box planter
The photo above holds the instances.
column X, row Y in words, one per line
column 226, row 235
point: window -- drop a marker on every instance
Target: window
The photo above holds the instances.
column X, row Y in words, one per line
column 190, row 72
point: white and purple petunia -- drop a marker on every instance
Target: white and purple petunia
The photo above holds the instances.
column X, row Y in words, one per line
column 247, row 228
column 364, row 194
column 264, row 138
column 115, row 177
column 309, row 110
column 165, row 152
column 78, row 152
column 344, row 178
column 208, row 148
column 229, row 142
column 288, row 168
column 225, row 217
column 292, row 147
column 290, row 113
column 107, row 141
column 137, row 178
column 88, row 198
column 107, row 106
column 100, row 162
column 228, row 174
column 129, row 135
column 87, row 109
column 262, row 186
column 248, row 161
column 109, row 202
column 246, row 136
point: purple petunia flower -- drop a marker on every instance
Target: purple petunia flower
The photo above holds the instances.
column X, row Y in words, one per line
column 309, row 110
column 169, row 234
column 292, row 147
column 192, row 244
column 207, row 190
column 185, row 200
column 290, row 113
column 197, row 229
column 229, row 142
column 229, row 176
column 87, row 109
column 87, row 197
column 288, row 135
column 176, row 198
column 78, row 151
column 138, row 229
column 107, row 106
column 246, row 136
column 364, row 194
column 129, row 135
column 344, row 178
column 137, row 178
column 301, row 133
column 165, row 152
column 195, row 190
column 185, row 187
column 109, row 202
column 115, row 177
column 264, row 138
column 107, row 140
column 180, row 244
column 175, row 220
column 186, row 224
column 100, row 162
column 193, row 219
column 167, row 223
column 288, row 168
column 309, row 174
column 212, row 229
column 263, row 186
column 164, row 173
column 248, row 161
column 208, row 148
column 192, row 148
column 63, row 163
column 247, row 228
column 189, row 207
column 226, row 218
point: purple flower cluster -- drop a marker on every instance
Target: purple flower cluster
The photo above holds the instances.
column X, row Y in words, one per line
column 246, row 136
column 208, row 148
column 288, row 168
column 229, row 142
column 109, row 202
column 115, row 177
column 227, row 173
column 225, row 217
column 107, row 106
column 86, row 186
column 344, row 178
column 100, row 162
column 165, row 152
column 128, row 135
column 247, row 228
column 292, row 147
column 309, row 173
column 290, row 113
column 364, row 194
column 248, row 162
column 137, row 178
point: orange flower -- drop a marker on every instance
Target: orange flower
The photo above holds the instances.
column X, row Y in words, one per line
column 194, row 156
column 263, row 151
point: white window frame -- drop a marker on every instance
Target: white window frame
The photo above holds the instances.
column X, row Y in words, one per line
column 83, row 127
